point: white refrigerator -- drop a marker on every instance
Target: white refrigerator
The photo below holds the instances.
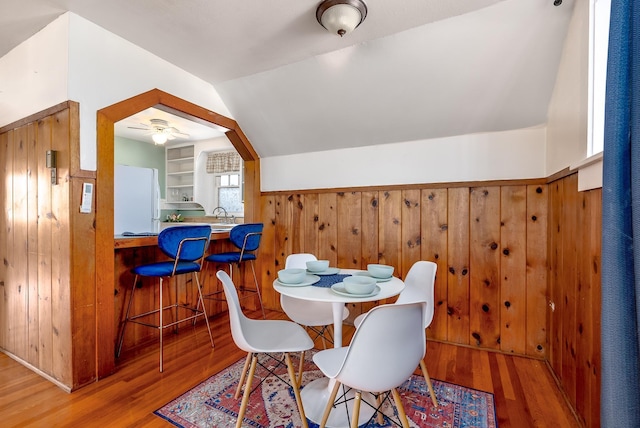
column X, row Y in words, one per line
column 136, row 208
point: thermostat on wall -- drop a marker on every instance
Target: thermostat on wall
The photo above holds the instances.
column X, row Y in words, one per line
column 87, row 196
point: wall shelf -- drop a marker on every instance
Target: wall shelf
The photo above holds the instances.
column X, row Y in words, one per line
column 180, row 174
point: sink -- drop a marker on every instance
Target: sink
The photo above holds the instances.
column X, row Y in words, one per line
column 225, row 226
column 221, row 227
column 215, row 227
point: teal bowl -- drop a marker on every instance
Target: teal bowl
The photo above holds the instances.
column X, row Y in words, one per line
column 291, row 276
column 359, row 284
column 380, row 271
column 317, row 265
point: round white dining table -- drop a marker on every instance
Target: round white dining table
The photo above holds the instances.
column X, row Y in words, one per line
column 316, row 394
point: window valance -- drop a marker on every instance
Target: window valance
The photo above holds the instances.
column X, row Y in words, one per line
column 223, row 162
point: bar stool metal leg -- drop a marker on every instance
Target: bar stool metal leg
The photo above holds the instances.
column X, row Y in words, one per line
column 245, row 238
column 161, row 325
column 255, row 280
column 186, row 245
column 204, row 309
column 126, row 318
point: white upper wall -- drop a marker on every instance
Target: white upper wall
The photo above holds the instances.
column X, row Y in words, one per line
column 105, row 69
column 33, row 76
column 74, row 59
column 489, row 70
column 567, row 117
column 478, row 157
column 77, row 60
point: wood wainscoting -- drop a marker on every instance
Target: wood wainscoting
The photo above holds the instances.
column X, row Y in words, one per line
column 575, row 231
column 47, row 278
column 518, row 262
column 489, row 241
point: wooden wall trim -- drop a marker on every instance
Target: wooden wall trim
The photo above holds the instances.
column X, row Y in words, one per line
column 37, row 116
column 74, row 129
column 391, row 187
column 561, row 174
column 106, row 118
column 443, row 185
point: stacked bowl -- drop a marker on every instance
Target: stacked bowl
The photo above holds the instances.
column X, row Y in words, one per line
column 291, row 276
column 380, row 271
column 315, row 266
column 359, row 284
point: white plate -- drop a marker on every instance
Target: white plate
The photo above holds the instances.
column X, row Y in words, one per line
column 308, row 280
column 339, row 289
column 375, row 277
column 329, row 271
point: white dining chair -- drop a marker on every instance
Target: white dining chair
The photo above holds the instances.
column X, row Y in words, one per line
column 365, row 366
column 314, row 316
column 419, row 287
column 262, row 337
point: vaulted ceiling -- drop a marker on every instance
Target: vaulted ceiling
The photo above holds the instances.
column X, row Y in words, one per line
column 413, row 70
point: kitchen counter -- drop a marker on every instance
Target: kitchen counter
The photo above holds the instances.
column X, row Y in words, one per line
column 131, row 251
column 121, row 241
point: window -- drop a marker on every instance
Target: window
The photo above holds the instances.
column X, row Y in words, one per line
column 599, row 13
column 226, row 168
column 229, row 193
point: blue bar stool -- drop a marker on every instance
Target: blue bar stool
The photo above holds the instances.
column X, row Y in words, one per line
column 186, row 246
column 246, row 237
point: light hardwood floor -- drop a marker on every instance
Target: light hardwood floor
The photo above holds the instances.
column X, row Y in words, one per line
column 525, row 392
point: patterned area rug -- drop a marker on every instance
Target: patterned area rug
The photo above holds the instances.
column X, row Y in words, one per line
column 272, row 403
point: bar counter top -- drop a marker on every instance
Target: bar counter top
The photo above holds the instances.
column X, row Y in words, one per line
column 136, row 250
column 132, row 241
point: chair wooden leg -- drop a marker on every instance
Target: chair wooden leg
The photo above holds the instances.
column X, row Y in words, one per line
column 425, row 373
column 243, row 374
column 379, row 416
column 300, row 366
column 296, row 390
column 247, row 391
column 356, row 409
column 327, row 409
column 400, row 407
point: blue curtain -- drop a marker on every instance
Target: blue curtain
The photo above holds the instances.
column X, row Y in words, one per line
column 620, row 392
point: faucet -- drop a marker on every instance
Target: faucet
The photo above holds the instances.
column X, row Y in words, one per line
column 217, row 209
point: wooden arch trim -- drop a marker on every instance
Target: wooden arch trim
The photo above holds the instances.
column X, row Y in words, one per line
column 106, row 118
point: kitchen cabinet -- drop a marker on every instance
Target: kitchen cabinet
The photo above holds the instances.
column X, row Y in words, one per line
column 180, row 174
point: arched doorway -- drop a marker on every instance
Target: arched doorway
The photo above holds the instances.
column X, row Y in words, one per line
column 106, row 118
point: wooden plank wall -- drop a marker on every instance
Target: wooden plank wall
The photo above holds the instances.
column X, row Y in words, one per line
column 489, row 243
column 497, row 246
column 575, row 224
column 47, row 278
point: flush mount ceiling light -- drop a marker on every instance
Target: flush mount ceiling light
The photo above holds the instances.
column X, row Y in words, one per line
column 341, row 16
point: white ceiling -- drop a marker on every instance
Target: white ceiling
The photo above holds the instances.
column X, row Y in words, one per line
column 413, row 70
column 128, row 128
